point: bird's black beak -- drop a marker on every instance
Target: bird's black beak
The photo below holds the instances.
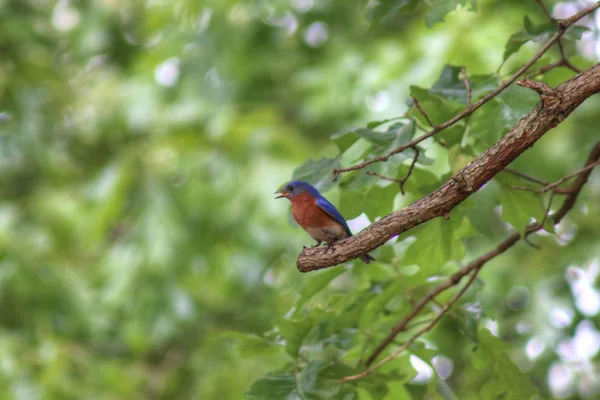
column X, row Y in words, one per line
column 282, row 193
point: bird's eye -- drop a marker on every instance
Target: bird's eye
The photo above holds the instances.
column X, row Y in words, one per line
column 290, row 188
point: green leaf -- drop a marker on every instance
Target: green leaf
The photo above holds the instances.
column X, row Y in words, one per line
column 519, row 206
column 317, row 281
column 441, row 8
column 530, row 33
column 371, row 312
column 451, row 84
column 378, row 138
column 438, row 241
column 375, row 202
column 397, row 391
column 250, row 345
column 275, row 387
column 517, row 102
column 490, row 122
column 316, row 381
column 399, row 369
column 389, row 9
column 345, row 139
column 439, row 109
column 575, row 32
column 318, row 173
column 375, row 124
column 503, row 379
column 294, row 331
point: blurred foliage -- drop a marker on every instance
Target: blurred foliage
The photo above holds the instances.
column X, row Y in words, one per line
column 142, row 254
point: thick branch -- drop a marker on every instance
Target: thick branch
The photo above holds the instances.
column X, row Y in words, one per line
column 574, row 190
column 562, row 25
column 553, row 108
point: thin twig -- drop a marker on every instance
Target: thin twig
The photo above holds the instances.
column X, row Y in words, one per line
column 410, row 170
column 416, row 102
column 511, row 240
column 420, row 332
column 400, row 182
column 564, row 61
column 547, row 213
column 453, row 280
column 562, row 25
column 525, row 176
column 553, row 186
column 531, row 244
column 548, row 67
column 463, row 72
column 543, row 6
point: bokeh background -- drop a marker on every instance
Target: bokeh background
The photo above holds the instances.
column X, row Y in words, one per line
column 141, row 142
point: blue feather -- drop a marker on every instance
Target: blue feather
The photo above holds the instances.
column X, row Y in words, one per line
column 333, row 212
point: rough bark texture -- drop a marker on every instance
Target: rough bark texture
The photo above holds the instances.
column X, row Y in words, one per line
column 555, row 105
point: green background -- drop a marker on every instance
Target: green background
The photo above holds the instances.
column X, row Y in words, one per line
column 142, row 255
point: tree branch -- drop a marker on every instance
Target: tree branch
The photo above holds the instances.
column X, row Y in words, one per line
column 553, row 108
column 474, row 267
column 400, row 182
column 553, row 186
column 562, row 25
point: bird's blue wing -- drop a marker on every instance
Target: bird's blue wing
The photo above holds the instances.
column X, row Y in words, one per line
column 333, row 212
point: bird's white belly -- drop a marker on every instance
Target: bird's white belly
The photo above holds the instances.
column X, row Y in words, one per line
column 330, row 233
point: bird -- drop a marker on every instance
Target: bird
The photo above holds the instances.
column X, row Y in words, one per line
column 317, row 216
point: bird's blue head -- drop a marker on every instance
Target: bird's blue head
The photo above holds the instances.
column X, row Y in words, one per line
column 296, row 188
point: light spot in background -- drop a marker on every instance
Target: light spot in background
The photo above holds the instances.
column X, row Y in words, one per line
column 154, row 40
column 24, row 389
column 65, row 17
column 204, row 19
column 359, row 223
column 582, row 347
column 287, row 21
column 587, row 298
column 523, row 327
column 586, row 341
column 182, row 304
column 379, row 102
column 589, row 45
column 270, row 278
column 535, row 347
column 564, row 10
column 7, row 365
column 213, row 78
column 573, row 274
column 129, row 38
column 443, row 366
column 561, row 317
column 240, row 15
column 560, row 380
column 424, row 371
column 588, row 385
column 167, row 72
column 492, row 326
column 565, row 232
column 302, row 5
column 316, row 34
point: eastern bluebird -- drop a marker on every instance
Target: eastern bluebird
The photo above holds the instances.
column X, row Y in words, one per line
column 317, row 216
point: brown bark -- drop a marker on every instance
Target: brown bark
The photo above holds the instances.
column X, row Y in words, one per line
column 555, row 105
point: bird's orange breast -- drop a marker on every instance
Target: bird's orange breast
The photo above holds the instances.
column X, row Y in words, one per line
column 306, row 212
